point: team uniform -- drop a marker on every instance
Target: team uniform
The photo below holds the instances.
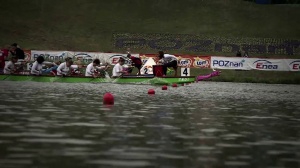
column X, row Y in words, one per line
column 137, row 62
column 63, row 69
column 9, row 68
column 168, row 61
column 117, row 71
column 36, row 68
column 91, row 69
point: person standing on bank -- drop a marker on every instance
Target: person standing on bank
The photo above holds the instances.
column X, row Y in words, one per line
column 167, row 61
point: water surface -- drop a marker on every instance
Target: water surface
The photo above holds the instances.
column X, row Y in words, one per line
column 199, row 125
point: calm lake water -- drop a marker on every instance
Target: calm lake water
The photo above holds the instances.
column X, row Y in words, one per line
column 48, row 125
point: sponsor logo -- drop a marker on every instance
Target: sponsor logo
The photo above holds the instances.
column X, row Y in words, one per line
column 27, row 56
column 226, row 63
column 295, row 65
column 115, row 59
column 201, row 63
column 83, row 57
column 52, row 58
column 185, row 62
column 264, row 64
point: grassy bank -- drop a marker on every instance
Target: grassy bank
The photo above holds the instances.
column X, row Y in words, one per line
column 253, row 76
column 89, row 25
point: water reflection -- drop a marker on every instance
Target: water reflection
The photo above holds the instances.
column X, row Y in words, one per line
column 199, row 125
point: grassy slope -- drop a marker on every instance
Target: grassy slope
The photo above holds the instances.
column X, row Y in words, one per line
column 88, row 25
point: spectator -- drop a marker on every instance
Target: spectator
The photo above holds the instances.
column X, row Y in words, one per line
column 246, row 54
column 239, row 54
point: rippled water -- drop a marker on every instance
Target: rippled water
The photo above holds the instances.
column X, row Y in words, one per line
column 199, row 125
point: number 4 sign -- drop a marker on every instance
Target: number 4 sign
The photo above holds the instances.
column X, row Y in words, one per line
column 185, row 71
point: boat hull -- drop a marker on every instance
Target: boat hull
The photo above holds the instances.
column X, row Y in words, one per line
column 121, row 80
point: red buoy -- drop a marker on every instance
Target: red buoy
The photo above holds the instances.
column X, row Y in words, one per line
column 108, row 99
column 165, row 87
column 174, row 85
column 151, row 91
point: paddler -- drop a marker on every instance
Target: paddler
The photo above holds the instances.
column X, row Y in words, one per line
column 10, row 66
column 93, row 67
column 64, row 68
column 52, row 67
column 118, row 69
column 37, row 66
column 167, row 61
column 135, row 62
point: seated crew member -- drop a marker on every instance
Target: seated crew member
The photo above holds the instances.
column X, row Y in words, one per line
column 167, row 61
column 118, row 68
column 64, row 68
column 93, row 67
column 10, row 66
column 37, row 66
column 136, row 62
column 52, row 67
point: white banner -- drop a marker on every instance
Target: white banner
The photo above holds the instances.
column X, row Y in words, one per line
column 216, row 62
column 113, row 58
column 229, row 63
column 51, row 55
column 85, row 57
column 293, row 64
column 268, row 64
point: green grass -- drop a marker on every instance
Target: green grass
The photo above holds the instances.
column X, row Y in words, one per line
column 254, row 76
column 88, row 25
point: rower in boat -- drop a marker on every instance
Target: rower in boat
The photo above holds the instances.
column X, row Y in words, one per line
column 118, row 69
column 92, row 68
column 167, row 61
column 10, row 66
column 52, row 67
column 77, row 65
column 135, row 62
column 37, row 66
column 64, row 68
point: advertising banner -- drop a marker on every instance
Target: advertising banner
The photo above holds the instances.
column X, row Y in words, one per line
column 188, row 61
column 193, row 61
column 113, row 58
column 292, row 64
column 268, row 64
column 230, row 63
column 51, row 55
column 183, row 60
column 84, row 57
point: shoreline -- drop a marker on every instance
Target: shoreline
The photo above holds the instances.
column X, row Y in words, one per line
column 251, row 76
